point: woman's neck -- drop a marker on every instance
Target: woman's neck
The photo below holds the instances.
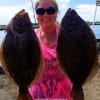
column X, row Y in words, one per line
column 48, row 36
column 48, row 30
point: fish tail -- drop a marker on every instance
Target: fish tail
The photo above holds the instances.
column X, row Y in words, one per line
column 77, row 93
column 24, row 95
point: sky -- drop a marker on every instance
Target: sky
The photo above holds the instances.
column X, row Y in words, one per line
column 85, row 8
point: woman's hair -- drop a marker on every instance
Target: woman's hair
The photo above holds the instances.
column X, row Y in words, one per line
column 53, row 1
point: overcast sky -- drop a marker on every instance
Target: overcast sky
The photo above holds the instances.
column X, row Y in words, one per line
column 85, row 8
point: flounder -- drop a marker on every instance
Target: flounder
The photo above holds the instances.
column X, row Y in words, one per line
column 21, row 54
column 76, row 51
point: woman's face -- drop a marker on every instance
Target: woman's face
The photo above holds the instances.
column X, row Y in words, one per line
column 47, row 20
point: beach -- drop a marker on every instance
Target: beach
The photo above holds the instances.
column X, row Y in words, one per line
column 9, row 91
column 92, row 88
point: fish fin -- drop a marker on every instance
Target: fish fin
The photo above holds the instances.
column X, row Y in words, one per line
column 77, row 93
column 24, row 94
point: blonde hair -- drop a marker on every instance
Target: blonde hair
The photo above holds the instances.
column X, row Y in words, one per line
column 53, row 1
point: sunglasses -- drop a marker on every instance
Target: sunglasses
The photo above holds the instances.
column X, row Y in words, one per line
column 49, row 11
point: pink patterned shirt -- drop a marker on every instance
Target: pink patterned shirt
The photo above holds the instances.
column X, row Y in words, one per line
column 52, row 84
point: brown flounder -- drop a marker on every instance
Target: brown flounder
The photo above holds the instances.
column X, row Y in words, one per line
column 20, row 53
column 76, row 51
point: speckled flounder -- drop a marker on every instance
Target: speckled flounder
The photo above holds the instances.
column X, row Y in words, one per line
column 21, row 54
column 76, row 50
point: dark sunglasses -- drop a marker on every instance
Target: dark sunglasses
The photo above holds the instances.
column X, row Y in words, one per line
column 49, row 11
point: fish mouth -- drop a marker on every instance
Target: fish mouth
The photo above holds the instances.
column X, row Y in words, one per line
column 69, row 11
column 21, row 13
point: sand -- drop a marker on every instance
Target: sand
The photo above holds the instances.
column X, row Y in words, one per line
column 9, row 91
column 92, row 88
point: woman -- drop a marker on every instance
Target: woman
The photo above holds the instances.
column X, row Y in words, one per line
column 52, row 84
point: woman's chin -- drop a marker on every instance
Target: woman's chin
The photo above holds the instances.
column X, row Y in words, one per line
column 46, row 25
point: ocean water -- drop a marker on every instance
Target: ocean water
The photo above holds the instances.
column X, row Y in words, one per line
column 95, row 28
column 2, row 35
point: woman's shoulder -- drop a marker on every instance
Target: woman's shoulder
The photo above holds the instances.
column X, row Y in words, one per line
column 36, row 30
